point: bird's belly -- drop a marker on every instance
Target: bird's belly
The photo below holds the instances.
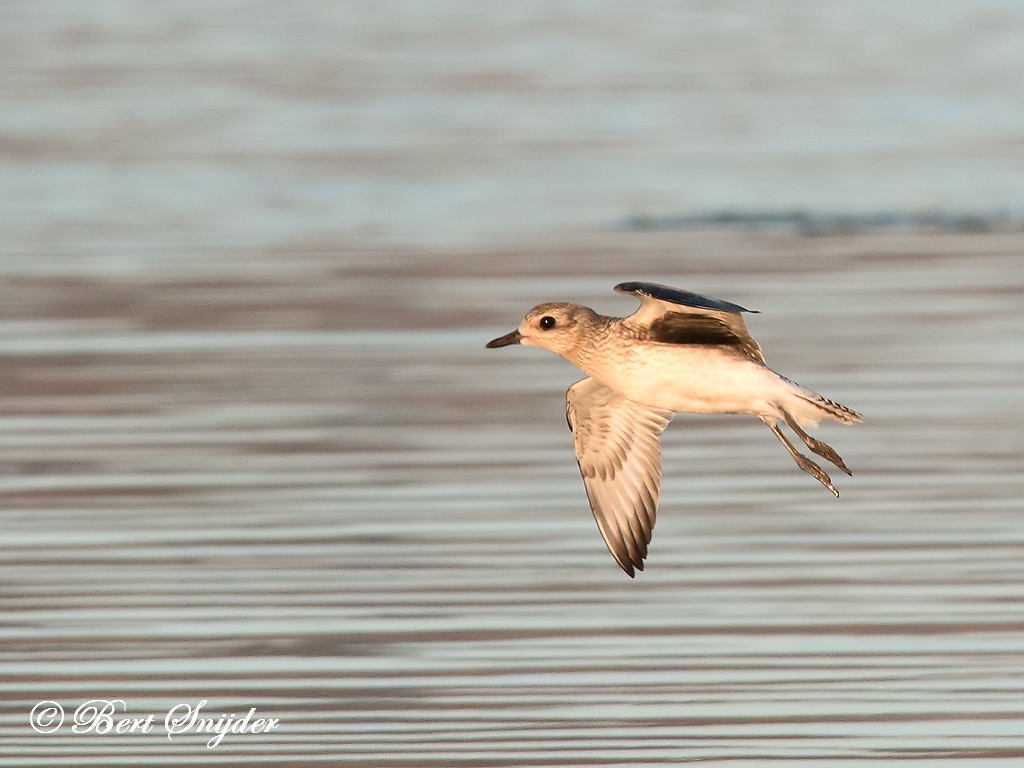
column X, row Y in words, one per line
column 693, row 379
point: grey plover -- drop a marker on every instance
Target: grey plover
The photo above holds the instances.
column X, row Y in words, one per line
column 678, row 352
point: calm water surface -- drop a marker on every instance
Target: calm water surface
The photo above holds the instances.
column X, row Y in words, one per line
column 372, row 528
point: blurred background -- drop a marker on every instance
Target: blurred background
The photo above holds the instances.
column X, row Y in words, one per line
column 136, row 131
column 252, row 449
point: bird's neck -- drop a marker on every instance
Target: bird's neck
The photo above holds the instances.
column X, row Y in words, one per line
column 595, row 343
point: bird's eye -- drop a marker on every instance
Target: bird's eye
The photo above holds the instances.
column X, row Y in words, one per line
column 547, row 322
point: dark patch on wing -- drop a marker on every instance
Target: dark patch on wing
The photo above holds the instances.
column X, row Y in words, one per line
column 677, row 296
column 708, row 330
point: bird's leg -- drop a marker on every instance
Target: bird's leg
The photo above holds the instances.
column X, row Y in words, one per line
column 802, row 461
column 820, row 448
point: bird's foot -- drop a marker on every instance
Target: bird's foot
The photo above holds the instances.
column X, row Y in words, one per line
column 822, row 449
column 816, row 472
column 827, row 452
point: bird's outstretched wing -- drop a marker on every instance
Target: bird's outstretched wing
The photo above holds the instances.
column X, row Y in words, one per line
column 616, row 443
column 671, row 316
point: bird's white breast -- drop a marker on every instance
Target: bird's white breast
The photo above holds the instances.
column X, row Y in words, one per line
column 687, row 378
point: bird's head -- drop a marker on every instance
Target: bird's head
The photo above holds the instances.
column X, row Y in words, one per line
column 556, row 326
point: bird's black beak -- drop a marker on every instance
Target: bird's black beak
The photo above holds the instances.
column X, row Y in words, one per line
column 509, row 338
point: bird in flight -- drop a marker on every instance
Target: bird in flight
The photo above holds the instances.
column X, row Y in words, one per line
column 679, row 352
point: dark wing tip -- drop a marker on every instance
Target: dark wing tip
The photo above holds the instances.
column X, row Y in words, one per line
column 627, row 562
column 630, row 566
column 677, row 296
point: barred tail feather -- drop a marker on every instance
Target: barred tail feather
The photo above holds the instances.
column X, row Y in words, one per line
column 809, row 407
column 833, row 409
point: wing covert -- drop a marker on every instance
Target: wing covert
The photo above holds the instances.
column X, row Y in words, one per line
column 671, row 316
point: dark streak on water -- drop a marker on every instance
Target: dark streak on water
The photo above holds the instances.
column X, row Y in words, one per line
column 820, row 223
column 371, row 527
